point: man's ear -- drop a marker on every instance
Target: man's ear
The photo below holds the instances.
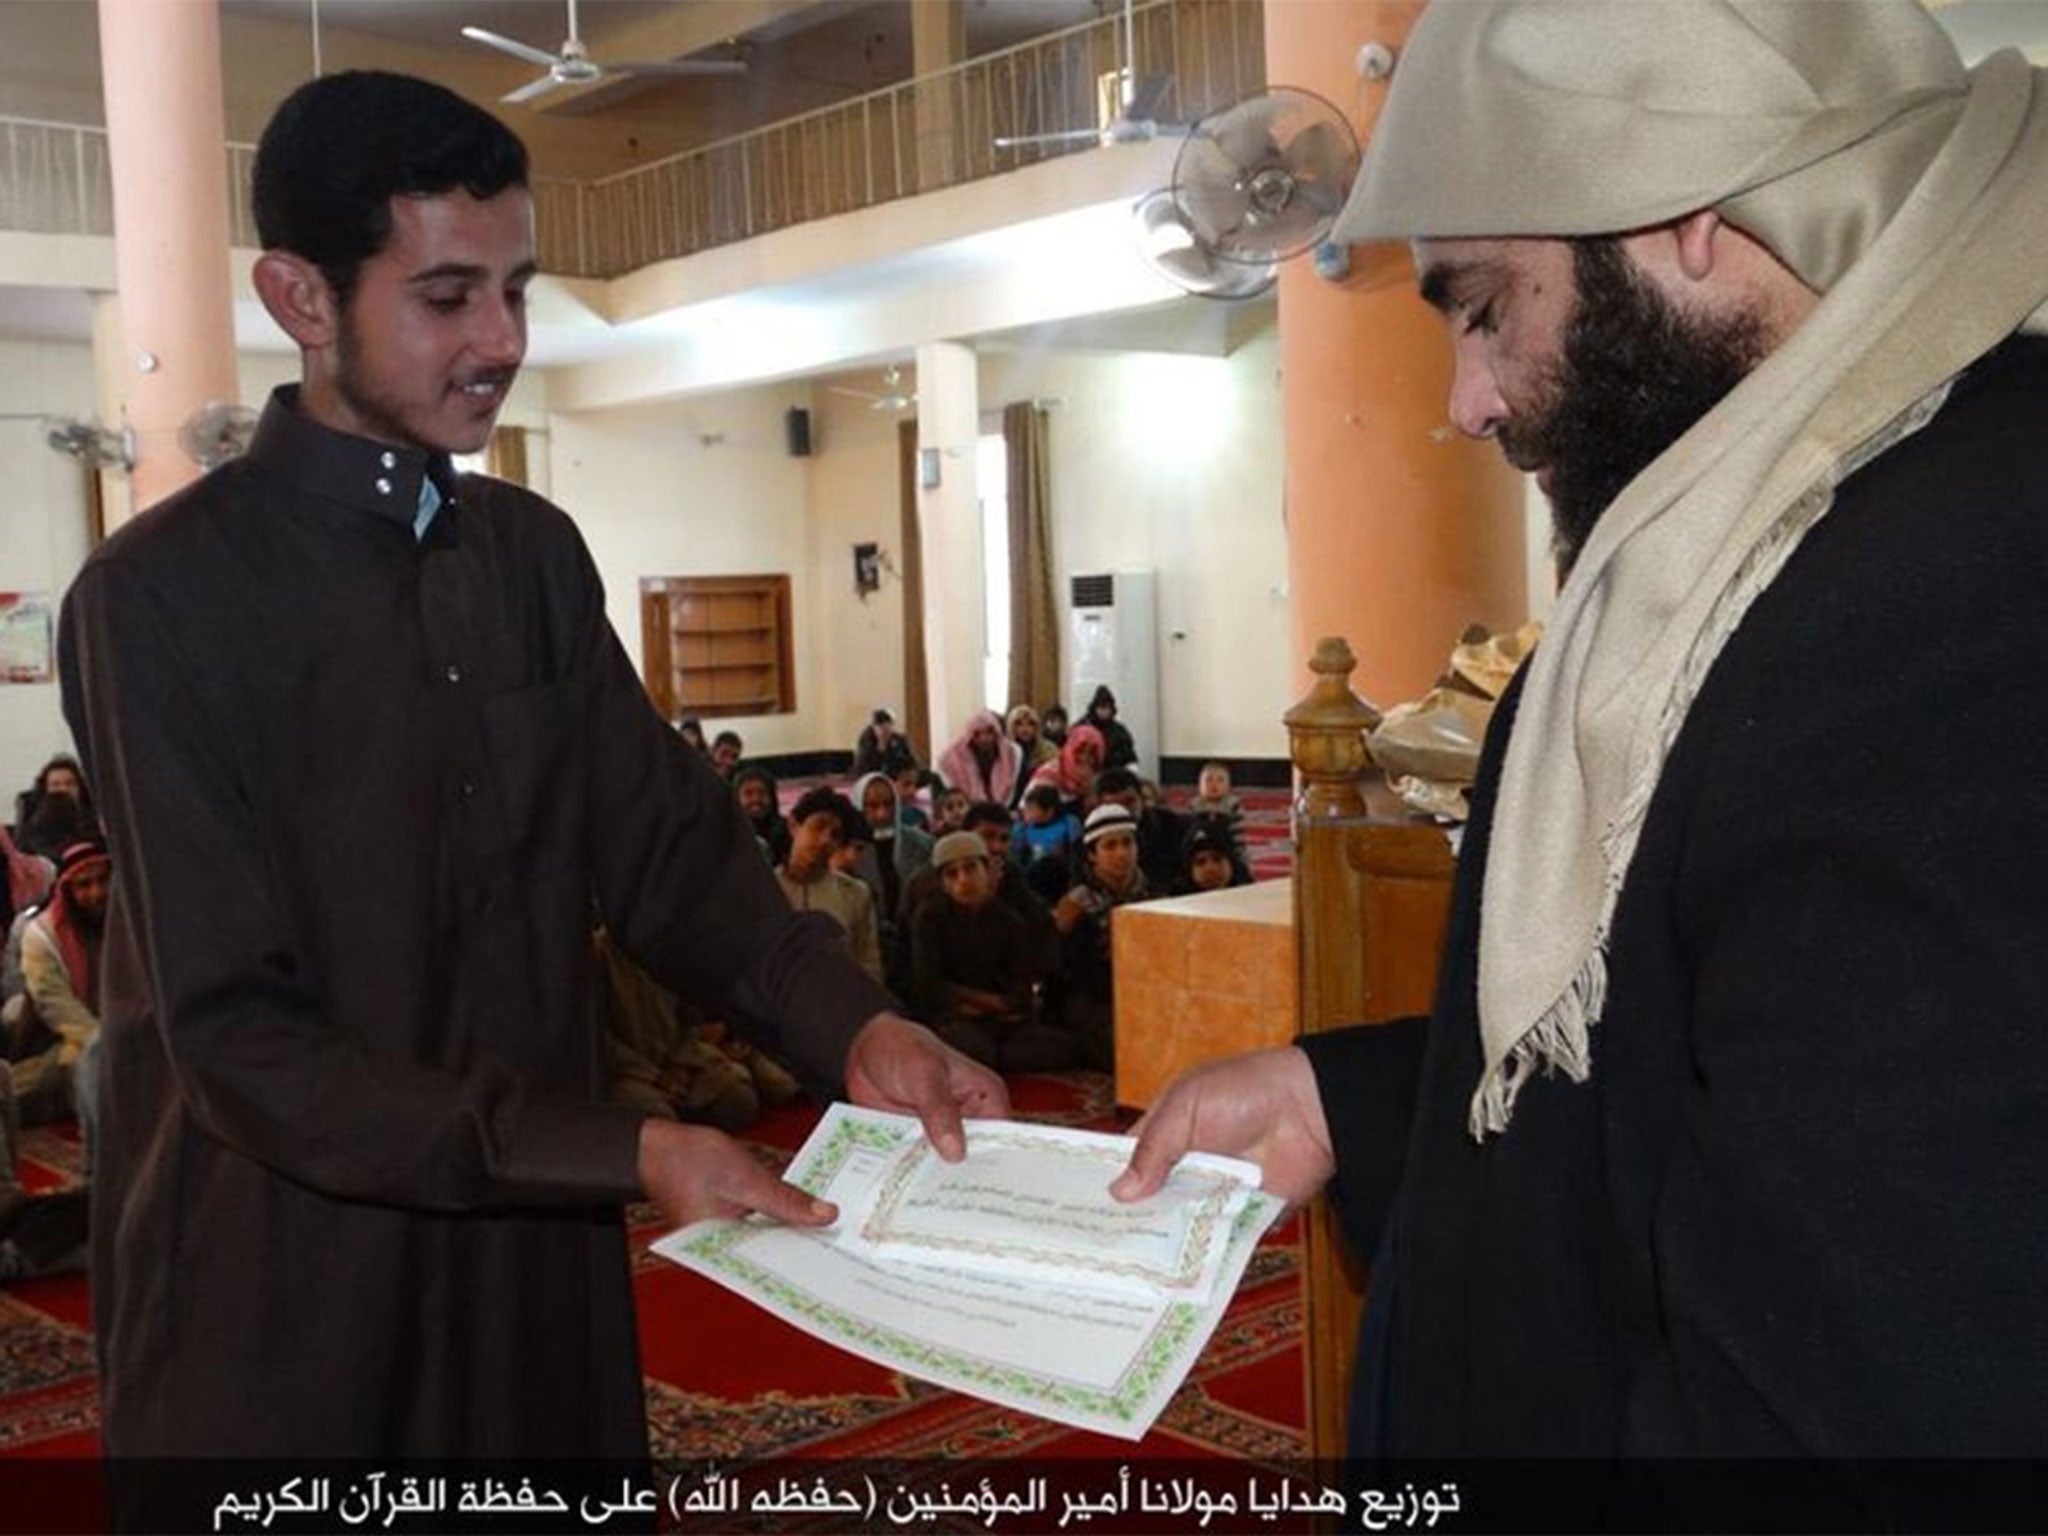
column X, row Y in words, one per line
column 296, row 293
column 1695, row 235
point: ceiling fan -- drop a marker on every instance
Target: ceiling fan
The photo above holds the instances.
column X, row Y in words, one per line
column 894, row 396
column 1137, row 123
column 573, row 65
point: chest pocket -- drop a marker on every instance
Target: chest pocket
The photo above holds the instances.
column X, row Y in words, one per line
column 539, row 768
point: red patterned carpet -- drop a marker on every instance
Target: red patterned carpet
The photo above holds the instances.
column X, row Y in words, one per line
column 729, row 1383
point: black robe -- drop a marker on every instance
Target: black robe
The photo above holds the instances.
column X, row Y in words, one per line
column 1796, row 1211
column 358, row 1187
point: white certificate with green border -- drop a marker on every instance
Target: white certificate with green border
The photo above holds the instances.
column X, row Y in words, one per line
column 1026, row 1284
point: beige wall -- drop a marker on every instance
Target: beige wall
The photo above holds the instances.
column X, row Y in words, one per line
column 700, row 487
column 42, row 531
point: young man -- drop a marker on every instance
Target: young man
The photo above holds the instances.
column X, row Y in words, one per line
column 726, row 750
column 811, row 882
column 1722, row 1144
column 370, row 753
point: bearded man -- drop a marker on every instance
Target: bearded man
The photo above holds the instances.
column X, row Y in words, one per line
column 1723, row 1140
column 60, row 961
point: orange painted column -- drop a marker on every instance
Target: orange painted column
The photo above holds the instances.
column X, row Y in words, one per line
column 1400, row 532
column 160, row 67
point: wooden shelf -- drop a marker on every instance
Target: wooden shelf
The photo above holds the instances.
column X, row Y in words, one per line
column 717, row 645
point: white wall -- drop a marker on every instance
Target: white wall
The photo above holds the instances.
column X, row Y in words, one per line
column 703, row 487
column 854, row 499
column 42, row 532
column 1173, row 462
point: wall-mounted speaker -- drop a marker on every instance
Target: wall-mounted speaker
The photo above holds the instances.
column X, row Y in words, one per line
column 796, row 423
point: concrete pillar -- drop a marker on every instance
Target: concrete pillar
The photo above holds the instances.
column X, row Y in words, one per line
column 938, row 41
column 949, row 523
column 1400, row 532
column 110, row 370
column 160, row 67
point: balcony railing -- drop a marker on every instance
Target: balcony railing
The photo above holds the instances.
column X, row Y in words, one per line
column 921, row 136
column 933, row 132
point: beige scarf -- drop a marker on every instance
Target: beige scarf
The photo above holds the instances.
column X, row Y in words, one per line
column 1930, row 236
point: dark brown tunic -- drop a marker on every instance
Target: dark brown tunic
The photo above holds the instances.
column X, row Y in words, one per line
column 357, row 1189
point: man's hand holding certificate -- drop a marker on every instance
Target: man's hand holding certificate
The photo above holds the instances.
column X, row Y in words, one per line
column 1012, row 1275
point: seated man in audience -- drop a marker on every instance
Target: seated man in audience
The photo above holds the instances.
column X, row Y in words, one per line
column 726, row 751
column 882, row 748
column 29, row 878
column 1073, row 772
column 759, row 797
column 668, row 1060
column 990, row 822
column 1160, row 831
column 39, row 1234
column 901, row 849
column 1034, row 750
column 981, row 762
column 1111, row 878
column 816, row 823
column 979, row 977
column 60, row 954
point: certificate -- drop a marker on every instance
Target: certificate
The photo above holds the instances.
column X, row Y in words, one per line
column 995, row 1304
column 1033, row 1200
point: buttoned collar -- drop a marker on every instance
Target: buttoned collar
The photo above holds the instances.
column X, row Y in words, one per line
column 365, row 475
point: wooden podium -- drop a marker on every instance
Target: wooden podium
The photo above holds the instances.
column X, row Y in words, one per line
column 1352, row 938
column 1372, row 891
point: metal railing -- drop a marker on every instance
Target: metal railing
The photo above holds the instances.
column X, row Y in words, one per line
column 936, row 131
column 54, row 179
column 926, row 134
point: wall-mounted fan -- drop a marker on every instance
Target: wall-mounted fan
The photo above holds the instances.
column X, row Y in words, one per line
column 216, row 432
column 1169, row 247
column 90, row 443
column 573, row 65
column 894, row 397
column 1265, row 179
column 1138, row 121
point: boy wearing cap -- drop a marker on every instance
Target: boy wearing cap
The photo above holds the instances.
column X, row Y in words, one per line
column 1110, row 878
column 978, row 977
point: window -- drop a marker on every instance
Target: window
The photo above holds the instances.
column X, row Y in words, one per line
column 717, row 645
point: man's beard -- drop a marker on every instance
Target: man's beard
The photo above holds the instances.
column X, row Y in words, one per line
column 1635, row 372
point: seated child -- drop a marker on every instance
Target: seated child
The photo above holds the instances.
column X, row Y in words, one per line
column 978, row 973
column 1215, row 805
column 1208, row 862
column 1048, row 842
column 1111, row 878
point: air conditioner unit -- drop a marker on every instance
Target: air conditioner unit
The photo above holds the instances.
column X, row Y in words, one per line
column 1114, row 640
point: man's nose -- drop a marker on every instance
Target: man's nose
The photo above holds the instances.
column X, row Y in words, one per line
column 501, row 332
column 1477, row 408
